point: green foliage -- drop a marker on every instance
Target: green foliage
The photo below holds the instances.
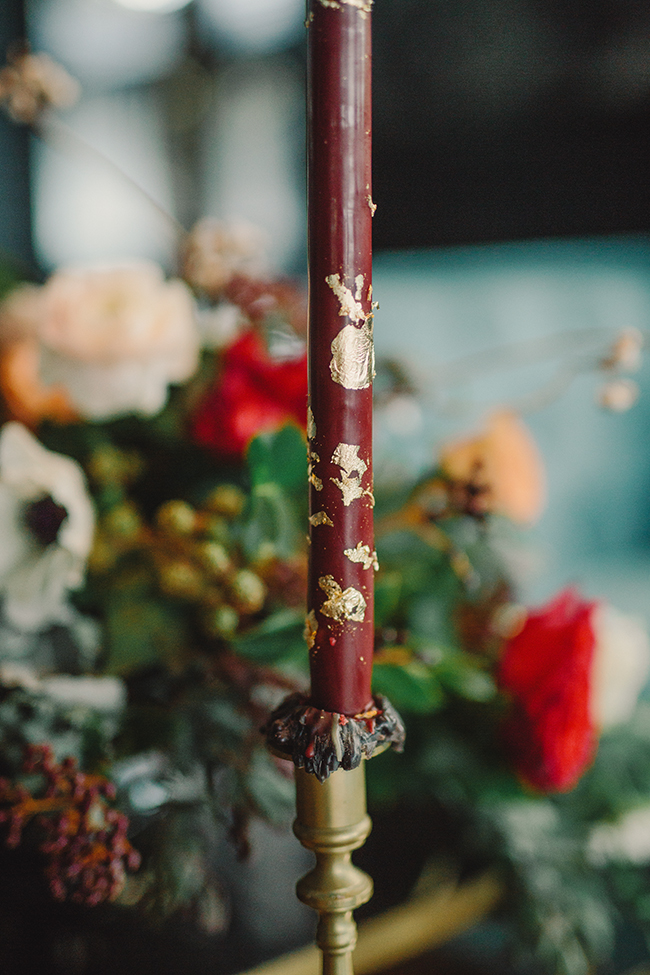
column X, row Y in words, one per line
column 276, row 516
column 8, row 276
column 278, row 639
column 279, row 458
column 140, row 630
column 272, row 794
column 411, row 687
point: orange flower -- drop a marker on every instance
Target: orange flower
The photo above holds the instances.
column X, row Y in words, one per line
column 505, row 463
column 26, row 397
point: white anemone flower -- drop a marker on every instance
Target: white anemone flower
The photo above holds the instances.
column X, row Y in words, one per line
column 46, row 529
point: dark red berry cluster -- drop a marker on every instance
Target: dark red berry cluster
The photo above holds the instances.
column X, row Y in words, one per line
column 84, row 839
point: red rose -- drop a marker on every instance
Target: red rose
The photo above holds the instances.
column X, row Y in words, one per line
column 547, row 669
column 253, row 393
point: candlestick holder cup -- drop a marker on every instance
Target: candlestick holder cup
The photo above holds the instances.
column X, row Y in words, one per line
column 332, row 822
column 329, row 751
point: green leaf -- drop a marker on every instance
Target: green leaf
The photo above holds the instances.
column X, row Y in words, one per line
column 8, row 278
column 409, row 688
column 141, row 632
column 280, row 637
column 272, row 794
column 279, row 458
column 388, row 589
column 465, row 678
column 271, row 520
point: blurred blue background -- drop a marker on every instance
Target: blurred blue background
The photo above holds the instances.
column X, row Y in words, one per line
column 512, row 318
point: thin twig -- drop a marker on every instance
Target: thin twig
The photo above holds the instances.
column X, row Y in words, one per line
column 53, row 131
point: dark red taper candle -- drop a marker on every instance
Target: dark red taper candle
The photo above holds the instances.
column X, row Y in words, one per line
column 340, row 627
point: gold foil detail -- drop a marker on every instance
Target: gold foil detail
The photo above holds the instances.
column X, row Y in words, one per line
column 321, row 518
column 342, row 604
column 363, row 5
column 363, row 555
column 311, row 424
column 353, row 357
column 348, row 305
column 346, row 456
column 311, row 629
column 313, row 458
column 373, row 206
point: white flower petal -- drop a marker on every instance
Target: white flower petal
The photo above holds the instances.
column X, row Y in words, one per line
column 115, row 338
column 627, row 839
column 31, row 471
column 621, row 666
column 35, row 578
column 106, row 694
column 15, row 543
column 35, row 592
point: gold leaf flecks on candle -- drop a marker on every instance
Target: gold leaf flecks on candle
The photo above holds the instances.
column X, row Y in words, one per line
column 353, row 357
column 311, row 424
column 342, row 604
column 311, row 629
column 313, row 458
column 353, row 467
column 372, row 206
column 359, row 281
column 363, row 5
column 362, row 554
column 321, row 518
column 348, row 305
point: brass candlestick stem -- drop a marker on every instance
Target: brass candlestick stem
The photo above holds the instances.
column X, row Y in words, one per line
column 332, row 822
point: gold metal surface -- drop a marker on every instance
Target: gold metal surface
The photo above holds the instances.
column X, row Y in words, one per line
column 407, row 931
column 332, row 822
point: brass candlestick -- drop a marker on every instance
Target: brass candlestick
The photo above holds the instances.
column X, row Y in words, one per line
column 332, row 822
column 330, row 754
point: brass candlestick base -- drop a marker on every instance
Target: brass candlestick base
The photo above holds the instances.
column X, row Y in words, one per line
column 332, row 821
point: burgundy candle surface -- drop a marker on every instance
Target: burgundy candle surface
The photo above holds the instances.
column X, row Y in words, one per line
column 342, row 558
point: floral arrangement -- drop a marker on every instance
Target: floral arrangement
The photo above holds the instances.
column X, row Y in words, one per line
column 153, row 570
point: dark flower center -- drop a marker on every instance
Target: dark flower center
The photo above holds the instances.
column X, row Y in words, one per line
column 44, row 519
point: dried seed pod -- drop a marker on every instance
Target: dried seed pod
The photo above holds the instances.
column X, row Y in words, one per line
column 222, row 621
column 123, row 521
column 214, row 558
column 249, row 592
column 182, row 580
column 176, row 518
column 227, row 500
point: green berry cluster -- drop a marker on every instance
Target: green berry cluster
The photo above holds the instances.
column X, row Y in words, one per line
column 198, row 560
